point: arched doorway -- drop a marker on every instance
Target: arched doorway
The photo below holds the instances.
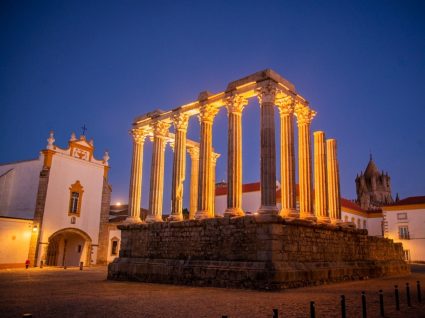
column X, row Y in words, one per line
column 69, row 247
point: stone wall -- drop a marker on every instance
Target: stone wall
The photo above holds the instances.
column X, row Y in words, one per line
column 247, row 252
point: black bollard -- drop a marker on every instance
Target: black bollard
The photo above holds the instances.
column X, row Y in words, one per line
column 312, row 309
column 223, row 316
column 275, row 313
column 418, row 291
column 381, row 303
column 409, row 304
column 64, row 266
column 397, row 298
column 364, row 305
column 81, row 266
column 343, row 309
column 41, row 264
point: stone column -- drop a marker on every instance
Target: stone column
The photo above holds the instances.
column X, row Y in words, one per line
column 334, row 197
column 266, row 98
column 179, row 167
column 235, row 106
column 214, row 158
column 287, row 157
column 194, row 175
column 320, row 178
column 160, row 130
column 206, row 117
column 304, row 117
column 135, row 191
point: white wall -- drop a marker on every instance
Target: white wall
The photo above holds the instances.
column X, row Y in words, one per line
column 250, row 202
column 416, row 224
column 18, row 188
column 64, row 172
column 15, row 236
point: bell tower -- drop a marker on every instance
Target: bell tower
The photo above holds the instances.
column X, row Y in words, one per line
column 373, row 187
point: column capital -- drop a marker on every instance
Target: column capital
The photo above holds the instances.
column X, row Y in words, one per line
column 160, row 128
column 181, row 121
column 235, row 103
column 208, row 112
column 139, row 134
column 193, row 152
column 266, row 93
column 214, row 157
column 304, row 114
column 285, row 104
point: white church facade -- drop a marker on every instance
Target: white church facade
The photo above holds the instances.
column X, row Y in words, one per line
column 55, row 209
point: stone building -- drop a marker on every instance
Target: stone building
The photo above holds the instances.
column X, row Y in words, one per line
column 373, row 187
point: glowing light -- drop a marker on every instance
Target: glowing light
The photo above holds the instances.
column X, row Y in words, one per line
column 35, row 228
column 118, row 203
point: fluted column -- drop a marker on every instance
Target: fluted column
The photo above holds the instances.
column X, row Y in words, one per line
column 266, row 98
column 160, row 130
column 135, row 191
column 179, row 167
column 206, row 117
column 287, row 157
column 194, row 175
column 214, row 158
column 320, row 178
column 235, row 106
column 304, row 117
column 334, row 197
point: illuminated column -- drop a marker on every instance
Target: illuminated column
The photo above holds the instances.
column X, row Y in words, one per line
column 179, row 167
column 206, row 117
column 287, row 158
column 320, row 183
column 266, row 98
column 334, row 198
column 194, row 175
column 160, row 130
column 214, row 158
column 304, row 117
column 235, row 106
column 135, row 191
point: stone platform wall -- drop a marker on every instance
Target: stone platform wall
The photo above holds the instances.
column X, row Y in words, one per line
column 246, row 252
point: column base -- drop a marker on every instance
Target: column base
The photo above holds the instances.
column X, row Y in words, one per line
column 232, row 212
column 153, row 218
column 308, row 216
column 200, row 215
column 175, row 217
column 323, row 219
column 268, row 210
column 133, row 219
column 340, row 222
column 290, row 213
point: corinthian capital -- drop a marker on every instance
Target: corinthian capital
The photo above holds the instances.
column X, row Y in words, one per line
column 208, row 112
column 285, row 104
column 160, row 128
column 180, row 121
column 236, row 103
column 139, row 134
column 214, row 157
column 304, row 114
column 267, row 93
column 193, row 152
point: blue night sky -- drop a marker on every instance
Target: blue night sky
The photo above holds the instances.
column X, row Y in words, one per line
column 361, row 65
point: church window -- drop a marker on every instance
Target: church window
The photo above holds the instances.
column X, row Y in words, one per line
column 346, row 218
column 403, row 232
column 358, row 224
column 75, row 198
column 364, row 224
